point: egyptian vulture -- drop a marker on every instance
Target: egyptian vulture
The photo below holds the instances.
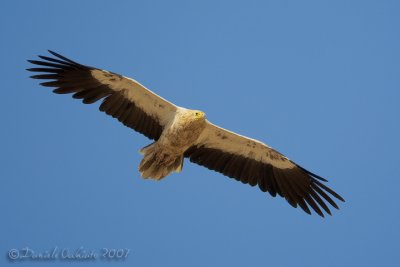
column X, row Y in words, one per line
column 180, row 133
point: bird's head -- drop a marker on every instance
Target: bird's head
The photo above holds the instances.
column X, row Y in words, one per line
column 199, row 114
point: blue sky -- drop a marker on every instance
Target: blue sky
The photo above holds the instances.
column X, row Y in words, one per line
column 317, row 80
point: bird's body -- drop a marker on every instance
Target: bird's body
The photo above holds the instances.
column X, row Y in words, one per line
column 166, row 155
column 183, row 133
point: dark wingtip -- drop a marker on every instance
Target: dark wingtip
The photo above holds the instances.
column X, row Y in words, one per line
column 54, row 53
column 330, row 191
column 63, row 58
column 328, row 212
column 340, row 198
column 320, row 213
column 308, row 172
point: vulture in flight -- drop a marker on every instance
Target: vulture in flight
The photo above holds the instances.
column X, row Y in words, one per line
column 180, row 133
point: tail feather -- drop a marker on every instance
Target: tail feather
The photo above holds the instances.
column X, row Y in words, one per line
column 157, row 163
column 179, row 164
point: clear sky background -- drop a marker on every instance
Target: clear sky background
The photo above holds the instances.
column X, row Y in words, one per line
column 317, row 80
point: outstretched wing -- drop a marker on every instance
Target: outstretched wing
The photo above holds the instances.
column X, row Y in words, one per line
column 252, row 162
column 123, row 98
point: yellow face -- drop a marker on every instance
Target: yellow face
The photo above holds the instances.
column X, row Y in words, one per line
column 199, row 114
